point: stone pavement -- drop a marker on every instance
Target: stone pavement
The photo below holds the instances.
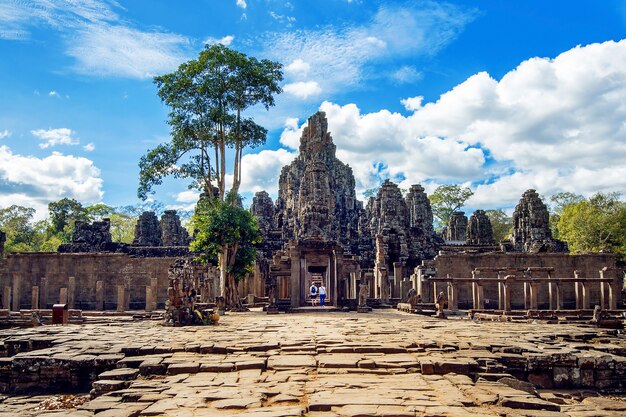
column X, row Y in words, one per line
column 385, row 363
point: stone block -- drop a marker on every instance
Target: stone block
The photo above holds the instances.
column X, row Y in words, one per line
column 540, row 379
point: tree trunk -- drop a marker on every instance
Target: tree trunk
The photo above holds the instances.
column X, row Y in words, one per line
column 222, row 261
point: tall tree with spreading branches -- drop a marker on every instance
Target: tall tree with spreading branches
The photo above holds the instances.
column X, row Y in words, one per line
column 446, row 199
column 207, row 98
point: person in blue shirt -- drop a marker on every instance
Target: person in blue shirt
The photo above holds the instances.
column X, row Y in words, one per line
column 322, row 292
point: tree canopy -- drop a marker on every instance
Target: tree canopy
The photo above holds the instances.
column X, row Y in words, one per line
column 594, row 224
column 446, row 199
column 207, row 97
column 501, row 224
column 226, row 230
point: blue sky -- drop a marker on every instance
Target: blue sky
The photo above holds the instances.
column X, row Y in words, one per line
column 498, row 95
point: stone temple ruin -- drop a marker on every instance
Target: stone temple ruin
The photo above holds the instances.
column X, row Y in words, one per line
column 379, row 254
column 317, row 232
column 94, row 273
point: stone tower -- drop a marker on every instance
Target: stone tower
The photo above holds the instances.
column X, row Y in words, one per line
column 479, row 230
column 531, row 226
column 457, row 227
column 316, row 192
column 172, row 232
column 420, row 222
column 263, row 208
column 147, row 230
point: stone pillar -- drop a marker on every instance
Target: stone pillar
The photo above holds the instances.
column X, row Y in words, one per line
column 419, row 281
column 99, row 295
column 63, row 295
column 43, row 292
column 15, row 304
column 149, row 301
column 35, row 298
column 453, row 300
column 434, row 292
column 398, row 272
column 533, row 287
column 121, row 298
column 586, row 296
column 127, row 293
column 507, row 295
column 612, row 288
column 6, row 298
column 500, row 292
column 71, row 292
column 154, row 288
column 556, row 299
column 526, row 296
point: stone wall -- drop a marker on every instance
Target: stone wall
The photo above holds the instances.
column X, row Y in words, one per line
column 460, row 265
column 113, row 269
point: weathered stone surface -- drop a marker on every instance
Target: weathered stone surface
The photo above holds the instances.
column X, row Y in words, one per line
column 389, row 345
column 457, row 227
column 94, row 237
column 479, row 230
column 147, row 230
column 172, row 232
column 316, row 192
column 263, row 208
column 531, row 226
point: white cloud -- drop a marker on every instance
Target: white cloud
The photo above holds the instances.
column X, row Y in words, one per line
column 298, row 68
column 550, row 124
column 4, row 134
column 261, row 171
column 53, row 137
column 100, row 41
column 188, row 196
column 282, row 18
column 90, row 147
column 34, row 182
column 338, row 56
column 412, row 103
column 290, row 136
column 242, row 4
column 113, row 50
column 303, row 89
column 19, row 17
column 53, row 93
column 406, row 74
column 226, row 40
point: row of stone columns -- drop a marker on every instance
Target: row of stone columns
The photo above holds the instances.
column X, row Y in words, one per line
column 67, row 295
column 608, row 292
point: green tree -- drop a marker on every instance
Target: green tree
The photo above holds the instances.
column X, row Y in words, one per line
column 63, row 214
column 21, row 235
column 501, row 224
column 122, row 227
column 446, row 199
column 207, row 98
column 559, row 202
column 595, row 224
column 225, row 230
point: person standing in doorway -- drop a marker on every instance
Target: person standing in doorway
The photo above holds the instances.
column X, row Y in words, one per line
column 322, row 292
column 313, row 293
